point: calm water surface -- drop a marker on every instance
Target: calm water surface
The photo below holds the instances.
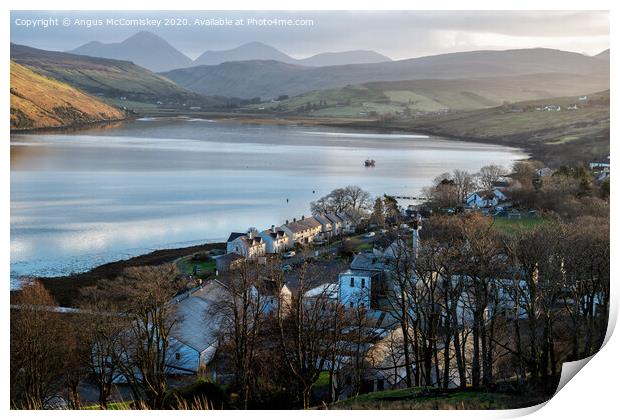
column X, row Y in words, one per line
column 84, row 198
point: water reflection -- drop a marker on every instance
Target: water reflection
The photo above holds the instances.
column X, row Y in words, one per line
column 83, row 198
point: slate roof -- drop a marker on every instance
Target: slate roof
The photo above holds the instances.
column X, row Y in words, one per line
column 234, row 235
column 230, row 258
column 303, row 224
column 333, row 217
column 197, row 328
column 367, row 261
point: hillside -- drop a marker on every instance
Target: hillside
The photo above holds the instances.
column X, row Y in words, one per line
column 245, row 52
column 344, row 58
column 41, row 102
column 270, row 79
column 555, row 137
column 257, row 51
column 120, row 82
column 428, row 96
column 144, row 49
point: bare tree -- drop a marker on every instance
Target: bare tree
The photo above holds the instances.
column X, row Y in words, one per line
column 102, row 327
column 242, row 310
column 489, row 175
column 401, row 301
column 303, row 326
column 464, row 183
column 149, row 308
column 36, row 348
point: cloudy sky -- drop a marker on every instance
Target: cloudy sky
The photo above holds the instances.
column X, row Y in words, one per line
column 396, row 34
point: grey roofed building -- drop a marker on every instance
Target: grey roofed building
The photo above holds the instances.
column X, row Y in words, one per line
column 334, row 218
column 227, row 262
column 235, row 235
column 326, row 224
column 368, row 261
column 303, row 224
column 194, row 336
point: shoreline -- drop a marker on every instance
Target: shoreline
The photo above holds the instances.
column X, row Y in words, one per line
column 71, row 127
column 66, row 289
column 359, row 124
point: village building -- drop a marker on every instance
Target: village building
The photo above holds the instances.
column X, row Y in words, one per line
column 327, row 229
column 227, row 262
column 348, row 223
column 486, row 199
column 355, row 288
column 601, row 165
column 302, row 231
column 276, row 240
column 248, row 245
column 337, row 223
column 193, row 340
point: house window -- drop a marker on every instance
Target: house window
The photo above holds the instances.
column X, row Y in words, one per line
column 363, row 283
column 177, row 356
column 352, row 281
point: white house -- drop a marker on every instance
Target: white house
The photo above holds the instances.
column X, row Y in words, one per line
column 276, row 240
column 248, row 245
column 302, row 231
column 602, row 165
column 337, row 223
column 354, row 288
column 348, row 224
column 484, row 199
column 327, row 228
column 193, row 339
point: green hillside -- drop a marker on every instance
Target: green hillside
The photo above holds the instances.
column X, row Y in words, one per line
column 114, row 80
column 413, row 97
column 270, row 79
column 556, row 137
column 41, row 102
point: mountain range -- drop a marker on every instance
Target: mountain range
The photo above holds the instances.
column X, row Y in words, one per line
column 259, row 51
column 270, row 79
column 144, row 49
column 156, row 54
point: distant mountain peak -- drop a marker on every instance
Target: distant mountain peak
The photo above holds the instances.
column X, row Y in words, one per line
column 145, row 36
column 143, row 48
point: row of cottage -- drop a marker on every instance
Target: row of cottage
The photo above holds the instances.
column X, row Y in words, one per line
column 302, row 231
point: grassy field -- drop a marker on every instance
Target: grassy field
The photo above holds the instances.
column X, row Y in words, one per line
column 431, row 96
column 422, row 399
column 512, row 226
column 187, row 266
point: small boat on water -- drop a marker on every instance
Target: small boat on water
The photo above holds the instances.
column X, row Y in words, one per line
column 369, row 163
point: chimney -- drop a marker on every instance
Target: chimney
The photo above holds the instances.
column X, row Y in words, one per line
column 294, row 220
column 286, row 222
column 251, row 234
column 273, row 228
column 302, row 217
